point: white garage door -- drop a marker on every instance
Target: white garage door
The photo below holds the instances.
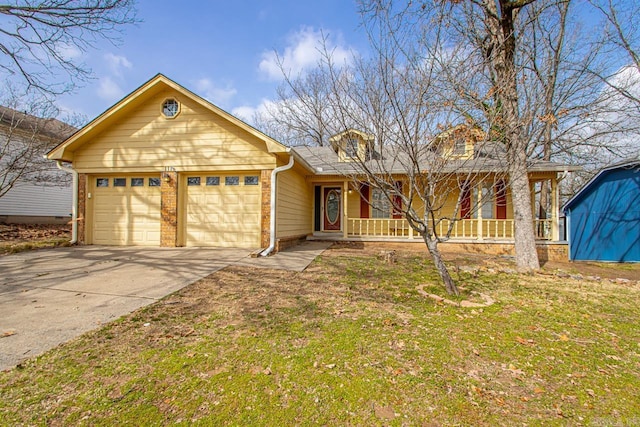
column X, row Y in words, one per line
column 223, row 210
column 126, row 210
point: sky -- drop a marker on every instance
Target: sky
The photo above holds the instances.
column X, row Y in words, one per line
column 223, row 51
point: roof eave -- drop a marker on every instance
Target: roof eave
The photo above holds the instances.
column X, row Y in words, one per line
column 596, row 178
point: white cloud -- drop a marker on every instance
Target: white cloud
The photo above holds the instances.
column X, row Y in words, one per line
column 214, row 93
column 117, row 63
column 303, row 52
column 247, row 112
column 109, row 90
column 244, row 112
column 69, row 52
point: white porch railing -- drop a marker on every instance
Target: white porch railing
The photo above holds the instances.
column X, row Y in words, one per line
column 495, row 229
column 379, row 227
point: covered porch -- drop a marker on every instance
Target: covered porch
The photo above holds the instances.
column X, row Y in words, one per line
column 344, row 212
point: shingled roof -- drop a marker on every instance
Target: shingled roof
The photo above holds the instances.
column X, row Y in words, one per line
column 49, row 128
column 394, row 160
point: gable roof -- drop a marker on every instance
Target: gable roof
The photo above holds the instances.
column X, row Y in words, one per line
column 64, row 151
column 630, row 163
column 365, row 136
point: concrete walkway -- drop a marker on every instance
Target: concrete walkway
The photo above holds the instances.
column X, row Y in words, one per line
column 296, row 258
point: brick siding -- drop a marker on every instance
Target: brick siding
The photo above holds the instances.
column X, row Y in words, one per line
column 169, row 209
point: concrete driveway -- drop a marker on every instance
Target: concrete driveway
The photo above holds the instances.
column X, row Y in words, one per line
column 48, row 297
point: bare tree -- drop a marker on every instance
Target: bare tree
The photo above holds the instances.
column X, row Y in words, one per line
column 406, row 149
column 526, row 71
column 301, row 115
column 40, row 40
column 41, row 43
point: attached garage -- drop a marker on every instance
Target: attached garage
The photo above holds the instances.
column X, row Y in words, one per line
column 165, row 167
column 223, row 210
column 125, row 210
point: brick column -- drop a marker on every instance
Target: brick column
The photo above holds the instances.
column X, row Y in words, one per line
column 265, row 208
column 82, row 207
column 169, row 209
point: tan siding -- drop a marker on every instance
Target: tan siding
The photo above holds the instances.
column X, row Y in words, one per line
column 194, row 140
column 294, row 201
column 353, row 205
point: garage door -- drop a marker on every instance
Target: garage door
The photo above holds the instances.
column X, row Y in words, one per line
column 126, row 210
column 223, row 210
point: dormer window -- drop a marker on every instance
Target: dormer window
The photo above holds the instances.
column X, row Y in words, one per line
column 351, row 148
column 459, row 146
column 353, row 145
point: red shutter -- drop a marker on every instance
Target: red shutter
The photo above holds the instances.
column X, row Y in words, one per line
column 501, row 200
column 364, row 200
column 465, row 201
column 397, row 201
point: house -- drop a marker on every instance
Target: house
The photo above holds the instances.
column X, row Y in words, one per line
column 164, row 167
column 603, row 218
column 32, row 190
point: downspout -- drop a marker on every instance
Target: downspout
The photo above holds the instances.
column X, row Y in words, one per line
column 272, row 220
column 74, row 203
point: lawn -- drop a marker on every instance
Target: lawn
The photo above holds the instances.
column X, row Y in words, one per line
column 351, row 341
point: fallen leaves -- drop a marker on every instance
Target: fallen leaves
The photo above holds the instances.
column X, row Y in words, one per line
column 523, row 341
column 384, row 412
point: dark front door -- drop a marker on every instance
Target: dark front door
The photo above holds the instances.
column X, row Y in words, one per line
column 332, row 208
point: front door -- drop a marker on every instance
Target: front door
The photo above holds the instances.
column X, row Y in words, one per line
column 332, row 209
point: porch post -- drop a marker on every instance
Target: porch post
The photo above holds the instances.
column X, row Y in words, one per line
column 479, row 203
column 555, row 229
column 345, row 223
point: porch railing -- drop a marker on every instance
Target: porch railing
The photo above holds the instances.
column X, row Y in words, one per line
column 543, row 229
column 379, row 227
column 498, row 229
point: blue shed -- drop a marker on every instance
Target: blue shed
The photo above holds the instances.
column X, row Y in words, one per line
column 603, row 218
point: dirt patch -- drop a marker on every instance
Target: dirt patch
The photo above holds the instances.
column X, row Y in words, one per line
column 506, row 263
column 21, row 237
column 17, row 233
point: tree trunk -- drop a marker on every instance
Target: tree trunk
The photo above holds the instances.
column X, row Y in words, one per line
column 500, row 22
column 449, row 284
column 525, row 243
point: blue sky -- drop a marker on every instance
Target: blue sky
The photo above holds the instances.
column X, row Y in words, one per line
column 221, row 50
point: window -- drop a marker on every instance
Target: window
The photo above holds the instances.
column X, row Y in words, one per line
column 137, row 182
column 193, row 180
column 459, row 146
column 119, row 182
column 213, row 180
column 154, row 182
column 486, row 201
column 251, row 180
column 102, row 182
column 170, row 108
column 351, row 148
column 231, row 180
column 380, row 206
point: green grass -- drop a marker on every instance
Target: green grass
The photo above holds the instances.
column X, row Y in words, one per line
column 348, row 342
column 14, row 248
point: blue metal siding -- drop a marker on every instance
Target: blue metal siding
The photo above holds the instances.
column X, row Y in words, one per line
column 605, row 222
